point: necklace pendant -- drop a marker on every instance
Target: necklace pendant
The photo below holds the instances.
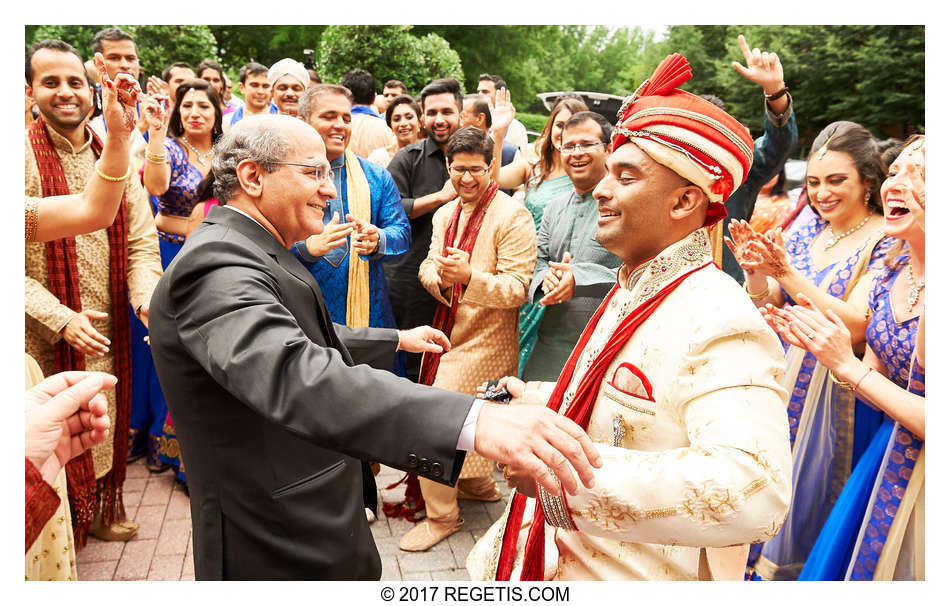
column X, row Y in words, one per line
column 912, row 297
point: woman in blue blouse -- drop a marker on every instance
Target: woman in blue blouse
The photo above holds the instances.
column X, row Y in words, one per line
column 177, row 158
column 875, row 531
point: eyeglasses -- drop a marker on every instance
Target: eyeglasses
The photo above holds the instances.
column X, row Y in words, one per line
column 580, row 147
column 475, row 171
column 324, row 172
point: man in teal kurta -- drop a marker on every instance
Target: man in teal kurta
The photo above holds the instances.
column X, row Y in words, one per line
column 573, row 272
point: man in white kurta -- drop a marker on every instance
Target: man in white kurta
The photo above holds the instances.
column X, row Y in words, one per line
column 690, row 414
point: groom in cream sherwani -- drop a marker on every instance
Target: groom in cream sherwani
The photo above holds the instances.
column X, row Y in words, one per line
column 677, row 379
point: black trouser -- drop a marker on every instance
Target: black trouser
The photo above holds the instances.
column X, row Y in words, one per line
column 370, row 498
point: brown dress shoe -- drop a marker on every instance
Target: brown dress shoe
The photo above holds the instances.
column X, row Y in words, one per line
column 428, row 533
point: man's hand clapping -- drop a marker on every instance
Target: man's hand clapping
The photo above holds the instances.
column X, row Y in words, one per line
column 334, row 234
column 455, row 268
column 365, row 238
column 558, row 283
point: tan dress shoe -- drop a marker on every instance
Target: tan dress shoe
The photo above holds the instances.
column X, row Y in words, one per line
column 120, row 531
column 490, row 497
column 428, row 533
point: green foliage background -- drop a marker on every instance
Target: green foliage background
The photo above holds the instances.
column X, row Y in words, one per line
column 872, row 74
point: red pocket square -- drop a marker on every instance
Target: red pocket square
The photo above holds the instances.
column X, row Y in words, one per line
column 632, row 381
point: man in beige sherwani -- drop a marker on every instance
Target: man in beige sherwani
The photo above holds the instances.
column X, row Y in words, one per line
column 683, row 395
column 59, row 87
column 492, row 283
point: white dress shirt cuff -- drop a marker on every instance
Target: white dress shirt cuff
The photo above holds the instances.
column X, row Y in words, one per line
column 467, row 436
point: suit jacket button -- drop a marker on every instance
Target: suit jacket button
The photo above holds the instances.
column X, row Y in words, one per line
column 413, row 461
column 425, row 466
column 437, row 469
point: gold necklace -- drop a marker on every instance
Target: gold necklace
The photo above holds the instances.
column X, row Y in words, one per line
column 914, row 294
column 835, row 239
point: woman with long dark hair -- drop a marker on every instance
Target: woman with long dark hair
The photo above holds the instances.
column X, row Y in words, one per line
column 875, row 530
column 178, row 157
column 830, row 260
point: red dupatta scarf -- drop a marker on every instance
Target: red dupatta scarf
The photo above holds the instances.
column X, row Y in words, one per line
column 579, row 411
column 63, row 275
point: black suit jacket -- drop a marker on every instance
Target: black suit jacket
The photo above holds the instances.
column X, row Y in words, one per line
column 272, row 414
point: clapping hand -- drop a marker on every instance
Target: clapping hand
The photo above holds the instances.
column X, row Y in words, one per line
column 823, row 334
column 455, row 268
column 757, row 252
column 156, row 86
column 156, row 110
column 65, row 415
column 119, row 97
column 334, row 234
column 558, row 283
column 365, row 238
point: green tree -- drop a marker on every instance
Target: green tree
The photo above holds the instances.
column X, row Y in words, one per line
column 870, row 74
column 267, row 44
column 387, row 51
column 158, row 45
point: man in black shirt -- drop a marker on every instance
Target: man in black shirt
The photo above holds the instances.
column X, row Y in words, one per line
column 422, row 177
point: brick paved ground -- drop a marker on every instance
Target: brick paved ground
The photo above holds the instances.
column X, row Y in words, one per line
column 161, row 550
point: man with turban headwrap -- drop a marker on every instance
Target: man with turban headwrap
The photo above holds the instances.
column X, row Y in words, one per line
column 677, row 378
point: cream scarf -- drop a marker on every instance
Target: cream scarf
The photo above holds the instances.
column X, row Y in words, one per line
column 358, row 202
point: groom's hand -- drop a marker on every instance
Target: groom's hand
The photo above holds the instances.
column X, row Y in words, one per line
column 539, row 441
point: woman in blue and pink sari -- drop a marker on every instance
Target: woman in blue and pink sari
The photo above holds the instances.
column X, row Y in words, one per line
column 876, row 529
column 831, row 259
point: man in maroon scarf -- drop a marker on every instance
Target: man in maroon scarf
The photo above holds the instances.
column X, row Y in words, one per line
column 78, row 290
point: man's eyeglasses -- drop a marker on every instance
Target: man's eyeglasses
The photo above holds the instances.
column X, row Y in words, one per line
column 476, row 171
column 324, row 173
column 580, row 148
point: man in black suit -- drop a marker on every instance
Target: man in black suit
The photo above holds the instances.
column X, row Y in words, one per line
column 271, row 411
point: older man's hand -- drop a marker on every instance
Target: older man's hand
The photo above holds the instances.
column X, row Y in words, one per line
column 536, row 439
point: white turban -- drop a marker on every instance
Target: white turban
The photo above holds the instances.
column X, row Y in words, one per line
column 288, row 66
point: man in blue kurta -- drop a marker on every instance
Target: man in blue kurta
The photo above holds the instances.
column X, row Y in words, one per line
column 369, row 225
column 326, row 107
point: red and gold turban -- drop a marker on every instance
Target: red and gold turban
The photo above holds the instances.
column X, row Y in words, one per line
column 687, row 134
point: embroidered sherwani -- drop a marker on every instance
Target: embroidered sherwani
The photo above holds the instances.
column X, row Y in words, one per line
column 45, row 315
column 698, row 457
column 485, row 336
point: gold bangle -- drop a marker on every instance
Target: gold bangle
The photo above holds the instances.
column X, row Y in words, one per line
column 158, row 158
column 844, row 384
column 127, row 174
column 156, row 161
column 758, row 296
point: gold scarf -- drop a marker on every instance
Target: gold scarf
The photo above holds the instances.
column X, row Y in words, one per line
column 358, row 202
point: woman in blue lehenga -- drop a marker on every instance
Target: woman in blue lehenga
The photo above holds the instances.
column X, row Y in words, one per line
column 830, row 259
column 175, row 165
column 545, row 181
column 875, row 531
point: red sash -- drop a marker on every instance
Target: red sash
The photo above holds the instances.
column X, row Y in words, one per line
column 579, row 411
column 444, row 319
column 63, row 275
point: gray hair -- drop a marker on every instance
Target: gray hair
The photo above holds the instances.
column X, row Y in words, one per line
column 308, row 99
column 256, row 138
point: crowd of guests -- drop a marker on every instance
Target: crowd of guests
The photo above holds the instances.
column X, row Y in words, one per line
column 443, row 214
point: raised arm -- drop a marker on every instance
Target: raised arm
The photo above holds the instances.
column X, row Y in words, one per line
column 94, row 209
